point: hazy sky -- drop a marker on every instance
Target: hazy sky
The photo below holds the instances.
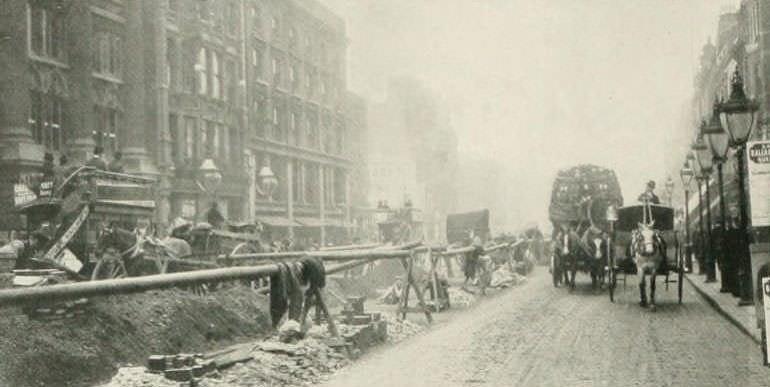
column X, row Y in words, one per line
column 541, row 85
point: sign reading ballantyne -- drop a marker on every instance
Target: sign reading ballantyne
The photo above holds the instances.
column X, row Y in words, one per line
column 758, row 159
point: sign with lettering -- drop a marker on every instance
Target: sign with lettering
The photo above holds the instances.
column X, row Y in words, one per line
column 758, row 159
column 22, row 194
column 46, row 188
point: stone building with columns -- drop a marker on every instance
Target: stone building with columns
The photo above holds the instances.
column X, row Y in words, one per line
column 170, row 83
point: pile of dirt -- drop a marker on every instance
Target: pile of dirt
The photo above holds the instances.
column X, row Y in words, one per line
column 121, row 330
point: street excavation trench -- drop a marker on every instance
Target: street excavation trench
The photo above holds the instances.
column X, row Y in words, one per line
column 225, row 334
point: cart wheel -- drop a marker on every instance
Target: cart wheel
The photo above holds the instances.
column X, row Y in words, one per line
column 244, row 248
column 611, row 277
column 109, row 268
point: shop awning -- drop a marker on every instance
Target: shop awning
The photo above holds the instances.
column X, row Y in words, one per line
column 277, row 221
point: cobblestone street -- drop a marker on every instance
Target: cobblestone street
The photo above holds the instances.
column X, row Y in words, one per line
column 537, row 335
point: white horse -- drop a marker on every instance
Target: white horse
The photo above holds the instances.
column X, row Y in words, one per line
column 647, row 249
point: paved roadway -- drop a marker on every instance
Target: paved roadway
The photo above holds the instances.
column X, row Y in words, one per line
column 536, row 335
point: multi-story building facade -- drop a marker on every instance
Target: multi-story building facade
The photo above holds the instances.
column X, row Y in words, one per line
column 413, row 154
column 170, row 83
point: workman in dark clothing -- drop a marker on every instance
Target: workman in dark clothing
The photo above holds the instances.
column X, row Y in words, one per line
column 96, row 160
column 214, row 217
column 116, row 165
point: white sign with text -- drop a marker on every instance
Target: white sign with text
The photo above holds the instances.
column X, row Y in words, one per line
column 758, row 159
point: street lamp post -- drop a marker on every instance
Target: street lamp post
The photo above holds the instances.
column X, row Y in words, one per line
column 686, row 174
column 737, row 115
column 718, row 141
column 211, row 178
column 701, row 239
column 670, row 190
column 705, row 161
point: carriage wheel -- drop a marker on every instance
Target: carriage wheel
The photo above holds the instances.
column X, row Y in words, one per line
column 109, row 268
column 611, row 281
column 244, row 248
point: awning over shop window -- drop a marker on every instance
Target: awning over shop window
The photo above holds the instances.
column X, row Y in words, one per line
column 277, row 221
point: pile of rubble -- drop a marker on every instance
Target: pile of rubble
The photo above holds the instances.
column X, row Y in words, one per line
column 460, row 298
column 399, row 330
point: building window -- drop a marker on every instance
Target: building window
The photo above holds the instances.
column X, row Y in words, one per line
column 256, row 18
column 256, row 62
column 203, row 11
column 231, row 19
column 276, row 71
column 292, row 37
column 107, row 54
column 46, row 33
column 216, row 76
column 233, row 152
column 46, row 120
column 223, row 142
column 200, row 70
column 296, row 182
column 293, row 119
column 173, row 6
column 172, row 67
column 312, row 133
column 309, row 81
column 230, row 78
column 275, row 25
column 176, row 144
column 189, row 138
column 293, row 76
column 106, row 131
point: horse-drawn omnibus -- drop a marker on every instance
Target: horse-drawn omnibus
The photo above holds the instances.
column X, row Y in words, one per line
column 579, row 201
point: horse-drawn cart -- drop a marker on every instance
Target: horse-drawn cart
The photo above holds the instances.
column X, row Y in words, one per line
column 579, row 201
column 643, row 225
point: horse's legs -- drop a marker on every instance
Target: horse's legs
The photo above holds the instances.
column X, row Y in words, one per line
column 642, row 291
column 652, row 290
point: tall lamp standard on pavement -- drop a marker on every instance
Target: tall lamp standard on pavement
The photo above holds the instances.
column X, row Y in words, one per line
column 705, row 162
column 686, row 174
column 211, row 178
column 669, row 190
column 737, row 115
column 718, row 141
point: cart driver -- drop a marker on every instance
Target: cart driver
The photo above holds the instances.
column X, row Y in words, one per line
column 649, row 194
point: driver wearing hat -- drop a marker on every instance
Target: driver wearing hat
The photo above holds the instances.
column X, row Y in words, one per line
column 649, row 194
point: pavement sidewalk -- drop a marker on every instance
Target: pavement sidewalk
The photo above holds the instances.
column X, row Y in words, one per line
column 744, row 317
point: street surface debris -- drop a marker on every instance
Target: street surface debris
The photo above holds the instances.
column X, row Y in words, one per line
column 539, row 335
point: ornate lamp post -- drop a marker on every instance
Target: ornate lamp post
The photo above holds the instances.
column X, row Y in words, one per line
column 267, row 182
column 686, row 173
column 669, row 190
column 701, row 234
column 718, row 142
column 706, row 161
column 211, row 178
column 737, row 115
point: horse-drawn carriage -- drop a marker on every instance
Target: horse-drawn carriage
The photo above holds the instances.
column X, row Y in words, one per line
column 90, row 212
column 579, row 201
column 641, row 232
